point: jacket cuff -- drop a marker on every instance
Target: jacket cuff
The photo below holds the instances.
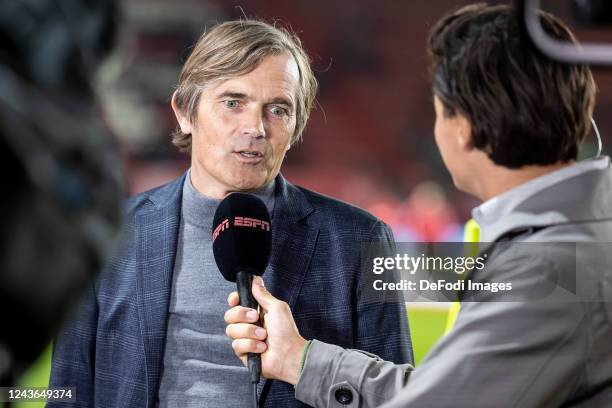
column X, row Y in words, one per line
column 329, row 379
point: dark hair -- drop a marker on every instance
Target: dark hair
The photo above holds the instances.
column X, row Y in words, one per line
column 524, row 108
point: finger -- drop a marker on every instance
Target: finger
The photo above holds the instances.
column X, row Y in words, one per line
column 245, row 331
column 261, row 294
column 233, row 299
column 240, row 314
column 244, row 346
column 258, row 280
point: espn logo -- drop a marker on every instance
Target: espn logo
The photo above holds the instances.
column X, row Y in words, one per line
column 220, row 228
column 251, row 223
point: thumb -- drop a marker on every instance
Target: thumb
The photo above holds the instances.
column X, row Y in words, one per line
column 261, row 294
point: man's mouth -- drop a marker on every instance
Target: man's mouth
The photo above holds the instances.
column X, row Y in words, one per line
column 249, row 156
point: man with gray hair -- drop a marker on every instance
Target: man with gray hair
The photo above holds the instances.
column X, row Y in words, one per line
column 151, row 332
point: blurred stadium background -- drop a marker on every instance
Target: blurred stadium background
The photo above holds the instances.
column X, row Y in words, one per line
column 369, row 141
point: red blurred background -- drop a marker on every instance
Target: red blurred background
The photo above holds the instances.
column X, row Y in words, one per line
column 370, row 138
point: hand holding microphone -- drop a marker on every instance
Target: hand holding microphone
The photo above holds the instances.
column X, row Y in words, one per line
column 281, row 343
column 242, row 241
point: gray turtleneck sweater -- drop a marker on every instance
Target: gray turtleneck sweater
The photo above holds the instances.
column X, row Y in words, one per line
column 200, row 368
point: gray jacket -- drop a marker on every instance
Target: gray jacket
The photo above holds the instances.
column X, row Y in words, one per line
column 549, row 343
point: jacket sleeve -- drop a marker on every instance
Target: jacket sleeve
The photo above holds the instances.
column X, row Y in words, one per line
column 74, row 354
column 526, row 350
column 339, row 378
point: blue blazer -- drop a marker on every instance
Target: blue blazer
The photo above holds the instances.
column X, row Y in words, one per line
column 112, row 351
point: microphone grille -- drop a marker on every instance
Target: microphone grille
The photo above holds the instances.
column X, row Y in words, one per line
column 241, row 235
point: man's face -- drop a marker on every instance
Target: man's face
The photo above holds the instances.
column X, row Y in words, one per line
column 244, row 127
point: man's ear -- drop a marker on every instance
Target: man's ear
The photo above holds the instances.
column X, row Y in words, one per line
column 464, row 133
column 183, row 121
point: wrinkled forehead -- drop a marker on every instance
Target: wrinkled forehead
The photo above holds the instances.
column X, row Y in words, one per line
column 276, row 75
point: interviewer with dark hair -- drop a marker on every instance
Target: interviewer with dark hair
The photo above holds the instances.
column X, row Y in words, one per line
column 509, row 123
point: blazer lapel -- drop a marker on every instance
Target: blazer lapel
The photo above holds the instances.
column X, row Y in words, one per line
column 157, row 234
column 293, row 243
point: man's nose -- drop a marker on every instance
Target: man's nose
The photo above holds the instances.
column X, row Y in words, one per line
column 253, row 124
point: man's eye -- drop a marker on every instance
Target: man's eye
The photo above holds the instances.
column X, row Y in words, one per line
column 278, row 111
column 232, row 103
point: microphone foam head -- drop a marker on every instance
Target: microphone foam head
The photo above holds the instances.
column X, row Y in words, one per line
column 241, row 235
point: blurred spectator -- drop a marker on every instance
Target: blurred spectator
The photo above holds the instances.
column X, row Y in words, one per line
column 427, row 216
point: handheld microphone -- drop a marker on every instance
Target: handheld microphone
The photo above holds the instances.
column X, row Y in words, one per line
column 242, row 241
